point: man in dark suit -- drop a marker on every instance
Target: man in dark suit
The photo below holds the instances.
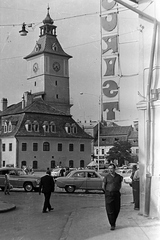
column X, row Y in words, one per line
column 47, row 186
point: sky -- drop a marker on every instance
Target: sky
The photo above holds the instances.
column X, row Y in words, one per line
column 79, row 33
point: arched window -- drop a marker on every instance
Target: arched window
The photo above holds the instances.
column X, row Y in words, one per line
column 68, row 128
column 82, row 164
column 53, row 127
column 10, row 127
column 74, row 128
column 28, row 126
column 46, row 126
column 53, row 164
column 46, row 146
column 35, row 164
column 71, row 163
column 36, row 126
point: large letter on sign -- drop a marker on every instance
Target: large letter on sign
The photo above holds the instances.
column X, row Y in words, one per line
column 107, row 4
column 110, row 106
column 107, row 24
column 110, row 88
column 110, row 62
column 112, row 43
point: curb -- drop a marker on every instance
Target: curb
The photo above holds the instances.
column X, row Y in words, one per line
column 5, row 207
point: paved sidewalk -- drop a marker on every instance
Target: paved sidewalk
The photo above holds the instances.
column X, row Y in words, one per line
column 92, row 224
column 5, row 207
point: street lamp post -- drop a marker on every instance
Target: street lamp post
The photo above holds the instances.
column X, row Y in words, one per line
column 99, row 119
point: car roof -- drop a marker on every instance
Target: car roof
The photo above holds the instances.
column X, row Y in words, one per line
column 83, row 170
column 9, row 168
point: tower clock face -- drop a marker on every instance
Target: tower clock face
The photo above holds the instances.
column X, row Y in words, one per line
column 35, row 67
column 56, row 66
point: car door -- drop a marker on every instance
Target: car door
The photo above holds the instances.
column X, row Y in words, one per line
column 79, row 180
column 15, row 179
column 93, row 181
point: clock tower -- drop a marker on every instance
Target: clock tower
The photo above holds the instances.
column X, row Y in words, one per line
column 48, row 68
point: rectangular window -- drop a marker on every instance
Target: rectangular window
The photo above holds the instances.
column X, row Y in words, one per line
column 3, row 147
column 82, row 147
column 4, row 163
column 59, row 147
column 71, row 147
column 102, row 151
column 24, row 146
column 35, row 146
column 10, row 146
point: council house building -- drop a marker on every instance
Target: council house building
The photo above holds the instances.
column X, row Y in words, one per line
column 39, row 131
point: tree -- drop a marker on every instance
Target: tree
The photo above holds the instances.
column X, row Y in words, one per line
column 120, row 151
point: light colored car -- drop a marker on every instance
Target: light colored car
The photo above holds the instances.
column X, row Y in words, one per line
column 19, row 179
column 56, row 172
column 85, row 179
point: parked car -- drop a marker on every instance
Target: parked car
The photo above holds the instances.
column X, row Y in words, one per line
column 19, row 179
column 104, row 172
column 85, row 179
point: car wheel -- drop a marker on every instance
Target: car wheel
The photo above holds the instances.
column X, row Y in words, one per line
column 70, row 188
column 28, row 187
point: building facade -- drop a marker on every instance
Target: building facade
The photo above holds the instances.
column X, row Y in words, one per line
column 39, row 131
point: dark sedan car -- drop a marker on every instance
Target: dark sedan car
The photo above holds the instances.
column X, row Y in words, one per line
column 80, row 179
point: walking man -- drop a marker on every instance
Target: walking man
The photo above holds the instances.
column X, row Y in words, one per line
column 47, row 186
column 112, row 185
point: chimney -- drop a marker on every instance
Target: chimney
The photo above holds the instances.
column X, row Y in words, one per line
column 4, row 103
column 27, row 98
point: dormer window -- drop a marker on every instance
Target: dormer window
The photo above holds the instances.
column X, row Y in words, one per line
column 68, row 128
column 74, row 128
column 5, row 127
column 46, row 126
column 53, row 127
column 28, row 126
column 10, row 127
column 36, row 126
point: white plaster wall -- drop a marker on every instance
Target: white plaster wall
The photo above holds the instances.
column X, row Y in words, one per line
column 9, row 156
